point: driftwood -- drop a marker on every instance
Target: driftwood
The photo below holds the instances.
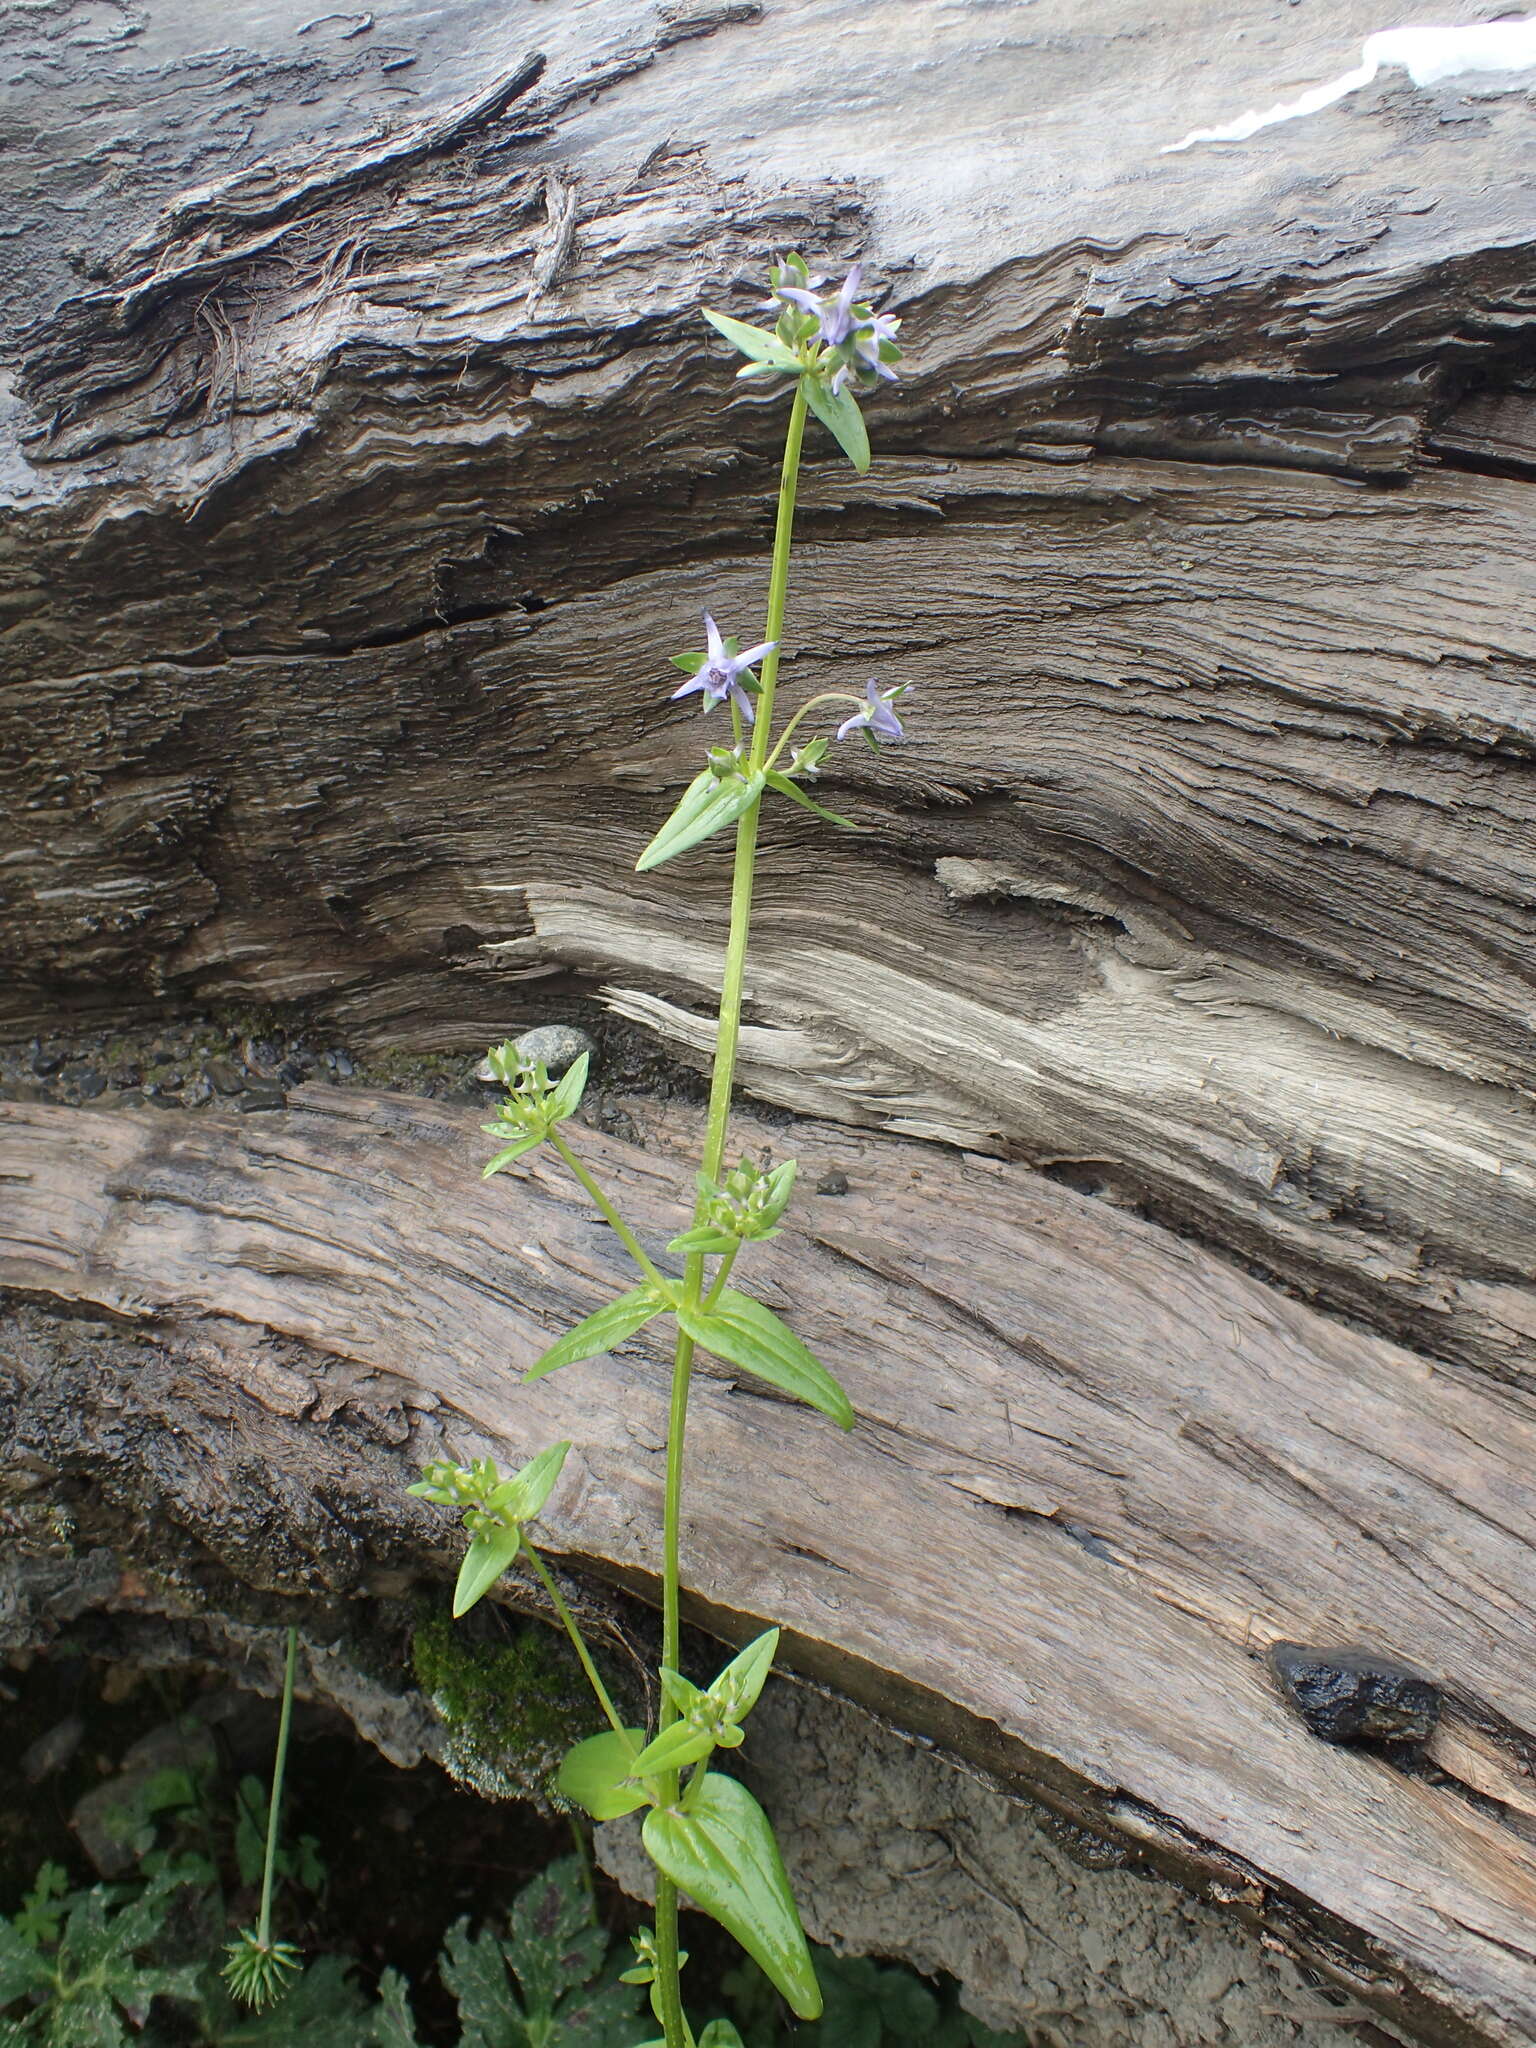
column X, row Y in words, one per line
column 1072, row 1518
column 363, row 459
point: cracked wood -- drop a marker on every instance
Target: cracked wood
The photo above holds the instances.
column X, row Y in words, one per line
column 1087, row 1498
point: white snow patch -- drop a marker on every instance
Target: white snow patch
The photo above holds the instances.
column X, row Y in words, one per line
column 1428, row 55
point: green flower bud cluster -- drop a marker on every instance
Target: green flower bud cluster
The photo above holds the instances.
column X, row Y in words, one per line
column 491, row 1502
column 479, row 1489
column 533, row 1104
column 746, row 1206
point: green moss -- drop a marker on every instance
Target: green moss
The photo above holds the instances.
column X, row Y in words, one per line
column 510, row 1709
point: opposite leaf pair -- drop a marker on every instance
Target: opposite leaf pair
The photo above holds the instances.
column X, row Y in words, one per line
column 713, row 1840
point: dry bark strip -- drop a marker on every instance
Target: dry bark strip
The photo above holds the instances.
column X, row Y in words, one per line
column 1096, row 1473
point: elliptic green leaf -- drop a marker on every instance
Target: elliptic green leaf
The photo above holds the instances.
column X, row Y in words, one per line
column 842, row 419
column 781, row 782
column 742, row 1680
column 747, row 1334
column 593, row 1774
column 523, row 1496
column 484, row 1562
column 694, row 820
column 755, row 342
column 600, row 1331
column 720, row 2034
column 673, row 1749
column 512, row 1152
column 703, row 1238
column 721, row 1852
column 567, row 1091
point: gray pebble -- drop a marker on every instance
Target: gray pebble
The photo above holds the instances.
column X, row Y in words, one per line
column 90, row 1084
column 201, row 1091
column 833, row 1182
column 559, row 1046
column 225, row 1076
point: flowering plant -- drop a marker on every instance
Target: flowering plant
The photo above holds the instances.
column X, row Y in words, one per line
column 705, row 1833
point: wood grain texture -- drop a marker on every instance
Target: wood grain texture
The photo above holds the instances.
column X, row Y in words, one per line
column 1074, row 1513
column 358, row 493
column 362, row 457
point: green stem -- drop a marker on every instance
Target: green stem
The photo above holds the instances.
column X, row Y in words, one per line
column 275, row 1804
column 674, row 2024
column 579, row 1644
column 723, row 1274
column 825, row 697
column 626, row 1236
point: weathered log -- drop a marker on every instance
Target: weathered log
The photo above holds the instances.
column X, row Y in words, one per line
column 358, row 499
column 362, row 464
column 1082, row 1500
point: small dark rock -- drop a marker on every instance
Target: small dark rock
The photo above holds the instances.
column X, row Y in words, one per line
column 46, row 1062
column 163, row 1098
column 1354, row 1695
column 199, row 1092
column 263, row 1055
column 131, row 1098
column 833, row 1182
column 293, row 1071
column 127, row 1077
column 89, row 1084
column 225, row 1076
column 261, row 1097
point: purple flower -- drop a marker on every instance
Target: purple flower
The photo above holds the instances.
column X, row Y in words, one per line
column 876, row 716
column 854, row 334
column 836, row 321
column 717, row 676
column 866, row 344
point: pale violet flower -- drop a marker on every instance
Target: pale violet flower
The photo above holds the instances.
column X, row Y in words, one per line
column 836, row 322
column 876, row 719
column 718, row 675
column 854, row 332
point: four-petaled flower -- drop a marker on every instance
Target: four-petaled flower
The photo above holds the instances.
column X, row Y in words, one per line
column 853, row 331
column 875, row 717
column 718, row 675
